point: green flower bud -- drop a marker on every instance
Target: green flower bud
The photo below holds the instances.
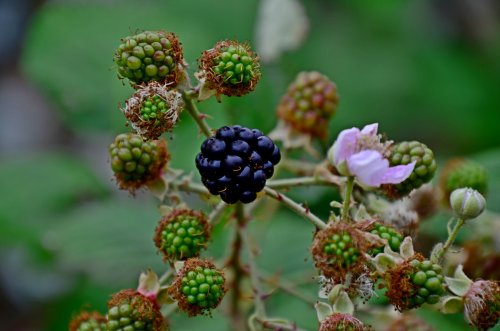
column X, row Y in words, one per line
column 467, row 203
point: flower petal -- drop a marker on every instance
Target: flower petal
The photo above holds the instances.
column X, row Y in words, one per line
column 344, row 146
column 369, row 167
column 397, row 174
column 370, row 129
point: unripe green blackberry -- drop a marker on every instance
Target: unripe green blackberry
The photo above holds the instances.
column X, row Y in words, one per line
column 153, row 110
column 230, row 68
column 309, row 103
column 136, row 162
column 339, row 249
column 182, row 234
column 387, row 232
column 150, row 56
column 198, row 287
column 128, row 310
column 415, row 282
column 88, row 321
column 425, row 167
column 458, row 173
column 342, row 322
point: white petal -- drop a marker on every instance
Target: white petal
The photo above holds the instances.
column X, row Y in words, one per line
column 368, row 166
column 370, row 129
column 344, row 146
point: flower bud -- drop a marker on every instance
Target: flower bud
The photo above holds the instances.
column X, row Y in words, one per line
column 467, row 203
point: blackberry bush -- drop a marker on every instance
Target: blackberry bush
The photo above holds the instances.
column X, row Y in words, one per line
column 236, row 162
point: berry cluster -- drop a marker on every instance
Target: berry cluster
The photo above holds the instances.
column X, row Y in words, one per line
column 230, row 68
column 428, row 280
column 153, row 110
column 149, row 56
column 340, row 250
column 414, row 282
column 342, row 322
column 86, row 321
column 182, row 234
column 235, row 64
column 236, row 162
column 198, row 287
column 131, row 311
column 393, row 237
column 458, row 173
column 425, row 167
column 309, row 103
column 136, row 162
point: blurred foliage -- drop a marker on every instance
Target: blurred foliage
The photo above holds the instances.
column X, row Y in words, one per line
column 393, row 62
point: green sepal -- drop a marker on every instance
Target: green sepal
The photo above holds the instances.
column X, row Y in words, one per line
column 452, row 304
column 323, row 310
column 343, row 304
column 148, row 282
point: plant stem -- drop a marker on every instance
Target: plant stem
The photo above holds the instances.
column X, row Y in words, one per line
column 216, row 213
column 188, row 186
column 199, row 118
column 234, row 263
column 347, row 198
column 300, row 181
column 295, row 207
column 275, row 325
column 451, row 239
column 260, row 309
column 286, row 286
column 166, row 276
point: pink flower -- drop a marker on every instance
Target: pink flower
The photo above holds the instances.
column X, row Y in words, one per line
column 358, row 153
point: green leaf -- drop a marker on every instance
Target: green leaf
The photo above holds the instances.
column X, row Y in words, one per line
column 110, row 242
column 36, row 186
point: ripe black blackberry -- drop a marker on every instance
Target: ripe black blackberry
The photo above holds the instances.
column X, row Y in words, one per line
column 236, row 162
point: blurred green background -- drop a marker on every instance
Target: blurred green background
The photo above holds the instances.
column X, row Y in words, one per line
column 426, row 70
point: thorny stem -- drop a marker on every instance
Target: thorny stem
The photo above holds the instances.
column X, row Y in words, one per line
column 295, row 207
column 298, row 167
column 166, row 276
column 216, row 212
column 347, row 198
column 234, row 263
column 260, row 309
column 451, row 239
column 191, row 187
column 277, row 326
column 286, row 286
column 299, row 181
column 193, row 111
